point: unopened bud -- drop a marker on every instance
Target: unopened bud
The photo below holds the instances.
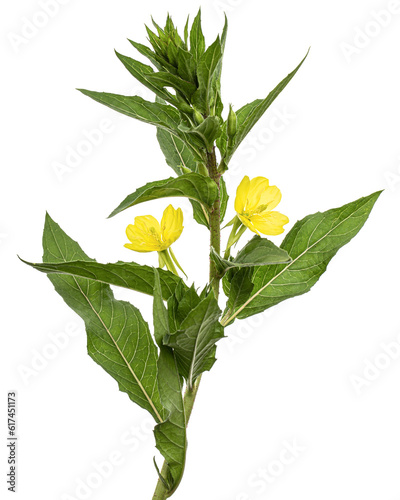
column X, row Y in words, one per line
column 232, row 123
column 198, row 117
column 202, row 169
column 185, row 170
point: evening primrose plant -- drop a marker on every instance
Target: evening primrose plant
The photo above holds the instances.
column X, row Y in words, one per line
column 161, row 370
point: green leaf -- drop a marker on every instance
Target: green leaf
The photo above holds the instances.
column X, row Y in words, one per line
column 145, row 51
column 209, row 62
column 206, row 132
column 260, row 252
column 124, row 274
column 177, row 154
column 257, row 252
column 160, row 313
column 224, row 198
column 196, row 338
column 165, row 79
column 197, row 42
column 241, row 288
column 194, row 186
column 145, row 75
column 118, row 338
column 248, row 116
column 171, row 434
column 154, row 113
column 312, row 243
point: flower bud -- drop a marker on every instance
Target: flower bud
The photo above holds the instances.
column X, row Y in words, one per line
column 202, row 169
column 198, row 117
column 232, row 123
column 185, row 170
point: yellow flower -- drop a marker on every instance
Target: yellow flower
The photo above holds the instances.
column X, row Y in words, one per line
column 148, row 235
column 254, row 202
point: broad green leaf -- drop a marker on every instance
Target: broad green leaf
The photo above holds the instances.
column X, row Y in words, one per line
column 209, row 62
column 154, row 113
column 145, row 75
column 248, row 116
column 177, row 154
column 124, row 274
column 311, row 243
column 196, row 338
column 119, row 339
column 197, row 42
column 260, row 252
column 257, row 252
column 194, row 186
column 241, row 288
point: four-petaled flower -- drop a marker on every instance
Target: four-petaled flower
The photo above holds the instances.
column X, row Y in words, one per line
column 254, row 204
column 148, row 235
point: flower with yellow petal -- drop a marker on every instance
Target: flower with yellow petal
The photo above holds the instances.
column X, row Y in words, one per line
column 148, row 235
column 254, row 204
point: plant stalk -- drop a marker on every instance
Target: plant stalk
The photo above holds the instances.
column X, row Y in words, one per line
column 161, row 492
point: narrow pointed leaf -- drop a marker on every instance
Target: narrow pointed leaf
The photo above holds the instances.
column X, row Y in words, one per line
column 197, row 42
column 123, row 274
column 145, row 75
column 196, row 338
column 165, row 79
column 248, row 116
column 171, row 434
column 312, row 243
column 154, row 113
column 208, row 64
column 145, row 51
column 118, row 338
column 194, row 186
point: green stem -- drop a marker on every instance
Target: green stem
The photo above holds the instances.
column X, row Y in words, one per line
column 161, row 492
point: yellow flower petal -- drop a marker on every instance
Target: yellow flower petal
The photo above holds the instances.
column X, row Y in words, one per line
column 241, row 194
column 270, row 223
column 257, row 187
column 147, row 235
column 270, row 198
column 171, row 225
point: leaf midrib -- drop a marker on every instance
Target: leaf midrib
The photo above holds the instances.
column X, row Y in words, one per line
column 111, row 337
column 226, row 322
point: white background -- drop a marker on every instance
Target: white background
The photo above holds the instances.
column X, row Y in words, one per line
column 285, row 376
